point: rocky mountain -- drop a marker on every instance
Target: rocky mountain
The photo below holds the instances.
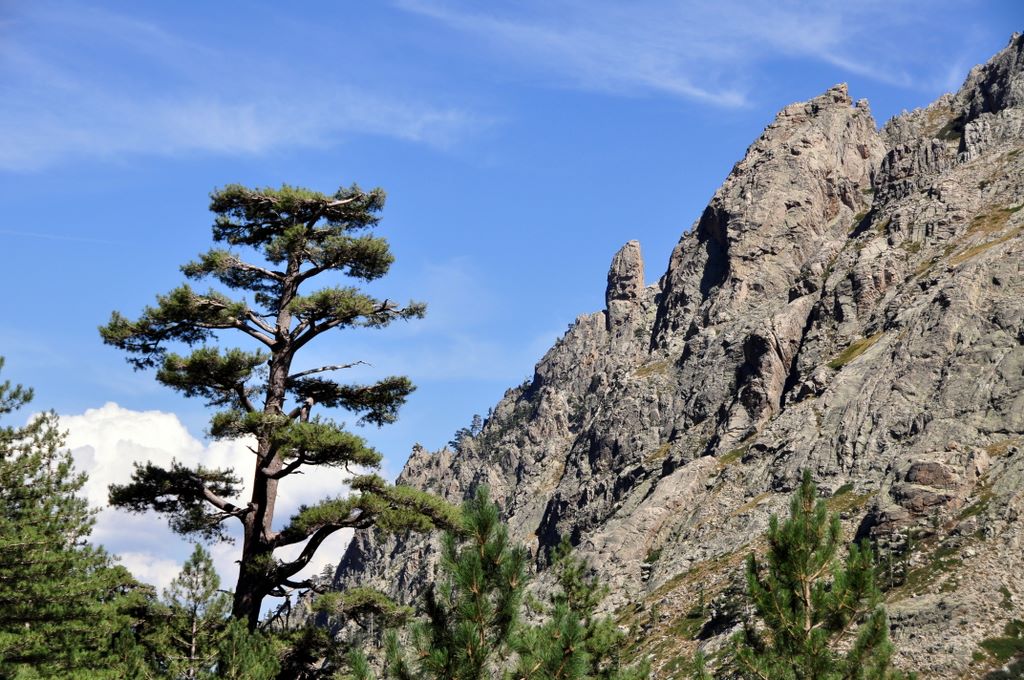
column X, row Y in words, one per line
column 851, row 301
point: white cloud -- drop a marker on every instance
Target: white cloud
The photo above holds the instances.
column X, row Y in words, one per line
column 106, row 441
column 701, row 50
column 148, row 568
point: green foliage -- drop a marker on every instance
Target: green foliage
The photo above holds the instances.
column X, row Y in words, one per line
column 273, row 245
column 360, row 600
column 473, row 610
column 573, row 643
column 309, row 653
column 242, row 655
column 1007, row 646
column 700, row 670
column 65, row 610
column 179, row 493
column 192, row 636
column 195, row 620
column 474, row 626
column 809, row 603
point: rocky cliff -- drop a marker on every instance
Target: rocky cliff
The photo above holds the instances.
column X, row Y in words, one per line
column 851, row 301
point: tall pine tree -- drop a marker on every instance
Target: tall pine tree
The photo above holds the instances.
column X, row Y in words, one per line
column 66, row 611
column 818, row 617
column 293, row 237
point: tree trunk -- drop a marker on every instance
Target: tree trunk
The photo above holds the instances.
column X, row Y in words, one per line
column 257, row 554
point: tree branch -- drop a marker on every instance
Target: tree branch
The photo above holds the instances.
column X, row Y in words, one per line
column 302, row 410
column 240, row 325
column 258, row 320
column 308, row 329
column 243, row 398
column 286, row 470
column 357, row 519
column 318, row 537
column 221, row 503
column 322, row 369
column 233, row 322
column 239, row 264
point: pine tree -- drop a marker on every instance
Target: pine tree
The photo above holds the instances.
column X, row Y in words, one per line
column 574, row 643
column 66, row 611
column 475, row 627
column 245, row 655
column 194, row 636
column 197, row 612
column 810, row 605
column 293, row 236
column 474, row 610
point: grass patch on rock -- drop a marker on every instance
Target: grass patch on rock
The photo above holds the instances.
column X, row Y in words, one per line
column 734, row 456
column 854, row 350
column 653, row 368
column 658, row 453
column 987, row 224
column 1007, row 646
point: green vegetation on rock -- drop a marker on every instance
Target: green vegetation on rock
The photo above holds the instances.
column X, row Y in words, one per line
column 817, row 617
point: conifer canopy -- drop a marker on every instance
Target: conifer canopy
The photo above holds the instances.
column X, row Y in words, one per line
column 818, row 617
column 273, row 244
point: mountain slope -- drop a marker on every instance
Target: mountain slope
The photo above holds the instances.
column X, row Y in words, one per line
column 851, row 301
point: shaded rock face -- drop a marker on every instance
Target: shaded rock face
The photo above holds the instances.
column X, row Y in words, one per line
column 851, row 302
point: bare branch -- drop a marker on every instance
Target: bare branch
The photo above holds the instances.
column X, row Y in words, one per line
column 332, row 367
column 248, row 330
column 239, row 264
column 298, row 584
column 258, row 320
column 227, row 508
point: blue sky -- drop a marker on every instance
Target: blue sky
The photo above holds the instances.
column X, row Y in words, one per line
column 521, row 144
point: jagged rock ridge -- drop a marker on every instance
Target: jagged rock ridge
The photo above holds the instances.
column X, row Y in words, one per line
column 851, row 301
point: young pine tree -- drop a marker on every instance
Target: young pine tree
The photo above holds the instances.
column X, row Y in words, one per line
column 197, row 639
column 65, row 610
column 474, row 626
column 574, row 642
column 245, row 655
column 474, row 610
column 820, row 617
column 197, row 612
column 291, row 238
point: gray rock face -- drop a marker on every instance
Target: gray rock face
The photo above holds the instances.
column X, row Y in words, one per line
column 625, row 288
column 851, row 302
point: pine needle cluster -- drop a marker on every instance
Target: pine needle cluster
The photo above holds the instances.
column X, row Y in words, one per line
column 818, row 617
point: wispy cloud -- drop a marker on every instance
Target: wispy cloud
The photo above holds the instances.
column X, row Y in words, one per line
column 56, row 237
column 84, row 83
column 701, row 50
